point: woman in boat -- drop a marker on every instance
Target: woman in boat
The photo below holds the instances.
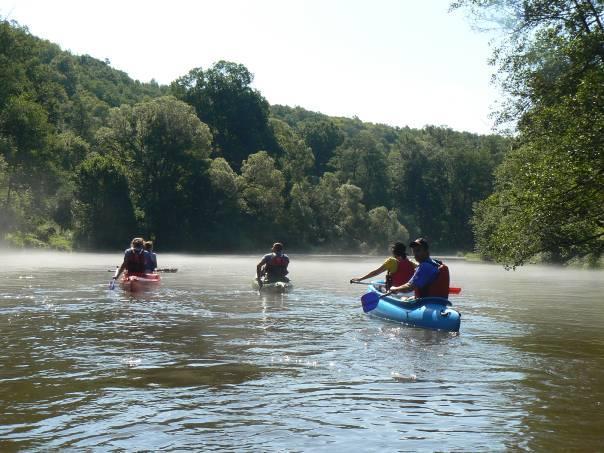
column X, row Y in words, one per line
column 151, row 263
column 134, row 259
column 273, row 266
column 398, row 267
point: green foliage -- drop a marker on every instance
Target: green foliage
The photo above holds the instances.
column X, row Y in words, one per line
column 103, row 212
column 165, row 149
column 385, row 229
column 549, row 194
column 91, row 157
column 236, row 113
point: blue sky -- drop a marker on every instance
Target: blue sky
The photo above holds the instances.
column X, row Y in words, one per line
column 402, row 63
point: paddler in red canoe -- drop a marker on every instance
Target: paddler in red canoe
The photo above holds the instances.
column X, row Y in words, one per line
column 134, row 259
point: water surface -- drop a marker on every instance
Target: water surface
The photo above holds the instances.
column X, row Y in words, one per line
column 204, row 362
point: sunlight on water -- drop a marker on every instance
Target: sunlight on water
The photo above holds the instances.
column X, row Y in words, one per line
column 202, row 359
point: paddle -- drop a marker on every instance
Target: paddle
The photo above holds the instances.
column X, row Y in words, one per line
column 112, row 284
column 452, row 289
column 371, row 300
column 167, row 270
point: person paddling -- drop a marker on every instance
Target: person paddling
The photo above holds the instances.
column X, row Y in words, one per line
column 134, row 259
column 398, row 267
column 273, row 266
column 151, row 262
column 431, row 278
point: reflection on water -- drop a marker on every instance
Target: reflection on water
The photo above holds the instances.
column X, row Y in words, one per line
column 204, row 362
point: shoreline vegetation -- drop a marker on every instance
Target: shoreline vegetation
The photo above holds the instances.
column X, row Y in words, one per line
column 90, row 158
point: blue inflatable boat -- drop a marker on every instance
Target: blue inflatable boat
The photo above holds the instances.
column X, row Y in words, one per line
column 427, row 312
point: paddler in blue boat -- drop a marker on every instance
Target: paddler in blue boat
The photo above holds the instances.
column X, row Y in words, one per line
column 134, row 259
column 431, row 278
column 273, row 266
column 151, row 263
column 398, row 267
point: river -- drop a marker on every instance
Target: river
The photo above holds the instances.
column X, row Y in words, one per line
column 205, row 363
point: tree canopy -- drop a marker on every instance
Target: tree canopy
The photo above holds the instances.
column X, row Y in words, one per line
column 90, row 158
column 549, row 191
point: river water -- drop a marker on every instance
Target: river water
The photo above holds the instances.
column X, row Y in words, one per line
column 205, row 363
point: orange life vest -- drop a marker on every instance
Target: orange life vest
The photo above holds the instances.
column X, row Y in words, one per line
column 439, row 287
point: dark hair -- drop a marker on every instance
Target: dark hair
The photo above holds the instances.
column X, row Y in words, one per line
column 278, row 246
column 420, row 242
column 399, row 249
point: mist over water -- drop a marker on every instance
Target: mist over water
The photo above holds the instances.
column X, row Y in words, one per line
column 204, row 362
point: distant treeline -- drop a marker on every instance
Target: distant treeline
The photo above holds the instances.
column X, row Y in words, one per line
column 90, row 158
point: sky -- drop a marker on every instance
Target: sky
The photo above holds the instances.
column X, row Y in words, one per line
column 397, row 62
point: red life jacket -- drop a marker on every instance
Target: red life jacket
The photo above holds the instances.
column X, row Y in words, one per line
column 135, row 261
column 439, row 287
column 403, row 274
column 276, row 267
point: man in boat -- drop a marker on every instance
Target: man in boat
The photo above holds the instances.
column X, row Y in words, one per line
column 273, row 266
column 398, row 267
column 151, row 263
column 431, row 278
column 134, row 259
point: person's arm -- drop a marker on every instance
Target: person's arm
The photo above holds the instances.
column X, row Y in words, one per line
column 402, row 289
column 259, row 269
column 120, row 270
column 373, row 273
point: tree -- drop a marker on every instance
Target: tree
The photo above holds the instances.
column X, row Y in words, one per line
column 236, row 113
column 297, row 158
column 165, row 149
column 384, row 229
column 550, row 189
column 261, row 187
column 103, row 212
column 361, row 161
column 323, row 136
column 351, row 218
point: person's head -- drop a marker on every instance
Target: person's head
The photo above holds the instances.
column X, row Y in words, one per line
column 137, row 243
column 399, row 249
column 421, row 250
column 277, row 247
column 149, row 245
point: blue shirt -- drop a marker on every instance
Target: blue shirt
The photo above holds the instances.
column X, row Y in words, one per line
column 150, row 261
column 426, row 273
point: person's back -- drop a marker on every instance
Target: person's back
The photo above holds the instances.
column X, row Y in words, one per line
column 135, row 258
column 150, row 259
column 274, row 265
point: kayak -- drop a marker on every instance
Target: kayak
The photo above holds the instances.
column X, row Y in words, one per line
column 275, row 288
column 137, row 283
column 427, row 312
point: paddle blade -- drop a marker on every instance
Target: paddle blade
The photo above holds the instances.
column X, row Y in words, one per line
column 454, row 290
column 370, row 301
column 112, row 284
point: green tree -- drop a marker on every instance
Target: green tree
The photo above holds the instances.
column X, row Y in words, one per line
column 549, row 190
column 236, row 113
column 297, row 158
column 165, row 148
column 102, row 209
column 351, row 220
column 361, row 161
column 384, row 229
column 323, row 136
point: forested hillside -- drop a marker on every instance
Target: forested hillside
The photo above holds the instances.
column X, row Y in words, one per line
column 90, row 158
